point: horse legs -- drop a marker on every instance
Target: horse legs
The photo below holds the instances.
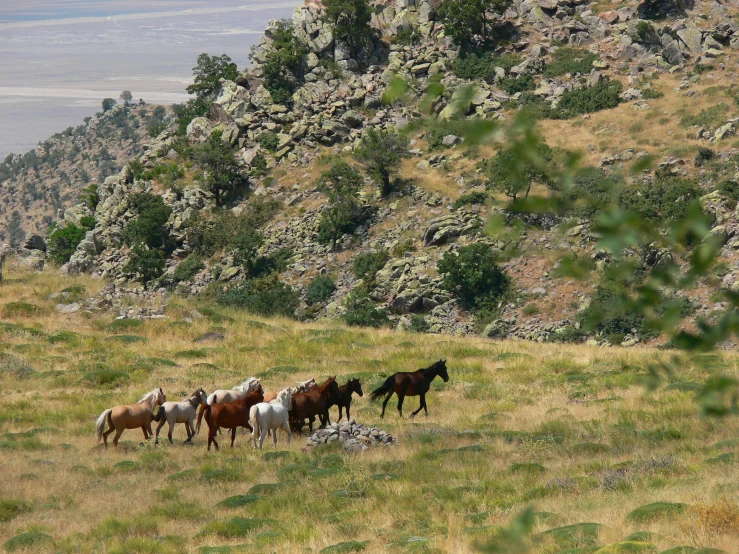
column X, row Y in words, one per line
column 233, row 436
column 347, row 411
column 286, row 428
column 159, row 428
column 340, row 416
column 108, row 432
column 422, row 406
column 118, row 433
column 171, row 428
column 146, row 436
column 212, row 439
column 190, row 432
column 311, row 419
column 387, row 398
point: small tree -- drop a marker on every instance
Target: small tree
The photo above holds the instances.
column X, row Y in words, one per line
column 361, row 310
column 380, row 152
column 63, row 243
column 349, row 21
column 282, row 68
column 320, row 290
column 245, row 246
column 149, row 227
column 474, row 276
column 513, row 174
column 219, row 165
column 208, row 73
column 147, row 263
column 108, row 104
column 469, row 22
column 341, row 185
column 126, row 97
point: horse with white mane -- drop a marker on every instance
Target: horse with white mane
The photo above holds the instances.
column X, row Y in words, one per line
column 239, row 391
column 273, row 415
column 302, row 387
column 181, row 412
column 120, row 418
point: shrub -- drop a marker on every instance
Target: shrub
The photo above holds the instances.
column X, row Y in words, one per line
column 406, row 36
column 367, row 265
column 592, row 191
column 19, row 309
column 522, row 83
column 265, row 296
column 282, row 68
column 380, row 152
column 704, row 155
column 320, row 290
column 361, row 310
column 476, row 197
column 221, row 171
column 268, row 140
column 90, row 197
column 418, row 324
column 150, row 224
column 569, row 60
column 645, row 31
column 655, row 511
column 25, row 541
column 188, row 268
column 245, row 246
column 474, row 67
column 147, row 263
column 349, row 21
column 208, row 72
column 603, row 96
column 512, row 174
column 651, row 93
column 12, row 507
column 474, row 276
column 470, row 22
column 342, row 213
column 399, row 250
column 185, row 113
column 665, row 198
column 729, row 189
column 63, row 243
column 719, row 518
column 710, row 117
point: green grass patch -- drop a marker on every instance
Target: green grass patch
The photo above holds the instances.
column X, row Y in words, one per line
column 20, row 309
column 10, row 508
column 236, row 527
column 126, row 339
column 655, row 511
column 628, row 547
column 125, row 325
column 573, row 536
column 238, row 500
column 27, row 541
column 344, row 547
column 105, row 377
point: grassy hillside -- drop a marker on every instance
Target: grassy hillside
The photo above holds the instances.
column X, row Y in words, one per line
column 568, row 430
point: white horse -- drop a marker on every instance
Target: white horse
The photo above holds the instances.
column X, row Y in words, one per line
column 239, row 391
column 271, row 415
column 181, row 412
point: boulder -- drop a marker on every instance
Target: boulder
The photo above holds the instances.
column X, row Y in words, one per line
column 444, row 228
column 35, row 242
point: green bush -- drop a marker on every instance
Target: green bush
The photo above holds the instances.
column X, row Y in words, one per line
column 381, row 152
column 342, row 214
column 645, row 31
column 474, row 67
column 569, row 60
column 704, row 155
column 435, row 136
column 265, row 296
column 473, row 275
column 522, row 83
column 349, row 21
column 208, row 72
column 320, row 290
column 508, row 172
column 592, row 191
column 283, row 65
column 665, row 198
column 655, row 511
column 150, row 224
column 710, row 117
column 361, row 310
column 26, row 541
column 418, row 324
column 63, row 243
column 188, row 268
column 476, row 197
column 185, row 113
column 470, row 23
column 651, row 93
column 147, row 263
column 406, row 36
column 216, row 158
column 11, row 508
column 603, row 96
column 367, row 265
column 729, row 189
column 268, row 140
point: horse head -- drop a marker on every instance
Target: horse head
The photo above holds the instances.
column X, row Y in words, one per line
column 304, row 386
column 161, row 397
column 441, row 371
column 200, row 396
column 333, row 387
column 285, row 397
column 251, row 385
column 356, row 386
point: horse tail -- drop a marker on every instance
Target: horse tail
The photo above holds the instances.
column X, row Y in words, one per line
column 100, row 423
column 202, row 409
column 386, row 387
column 254, row 420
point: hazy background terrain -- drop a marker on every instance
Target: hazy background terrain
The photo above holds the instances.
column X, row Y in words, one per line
column 60, row 58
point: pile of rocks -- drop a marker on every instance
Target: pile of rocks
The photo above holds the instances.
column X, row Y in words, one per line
column 354, row 436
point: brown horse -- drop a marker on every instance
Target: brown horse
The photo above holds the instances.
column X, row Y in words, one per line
column 345, row 396
column 410, row 383
column 140, row 414
column 230, row 415
column 313, row 403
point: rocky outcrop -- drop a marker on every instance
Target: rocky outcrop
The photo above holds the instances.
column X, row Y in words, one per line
column 353, row 436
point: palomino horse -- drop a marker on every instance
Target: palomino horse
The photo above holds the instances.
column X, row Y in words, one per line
column 302, row 387
column 313, row 403
column 239, row 391
column 412, row 383
column 181, row 412
column 230, row 416
column 120, row 418
column 345, row 396
column 267, row 416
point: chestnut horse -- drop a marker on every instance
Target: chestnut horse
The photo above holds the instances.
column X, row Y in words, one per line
column 312, row 403
column 230, row 415
column 345, row 396
column 410, row 383
column 133, row 416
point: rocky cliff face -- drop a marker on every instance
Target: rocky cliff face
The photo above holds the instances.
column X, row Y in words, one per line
column 341, row 95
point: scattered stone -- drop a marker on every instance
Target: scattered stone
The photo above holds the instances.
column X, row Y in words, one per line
column 354, row 436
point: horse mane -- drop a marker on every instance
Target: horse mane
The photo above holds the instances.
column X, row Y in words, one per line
column 282, row 394
column 148, row 396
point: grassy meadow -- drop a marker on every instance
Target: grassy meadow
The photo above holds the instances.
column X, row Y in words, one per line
column 570, row 430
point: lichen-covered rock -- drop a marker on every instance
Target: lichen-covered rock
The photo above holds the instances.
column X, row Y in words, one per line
column 445, row 228
column 354, row 436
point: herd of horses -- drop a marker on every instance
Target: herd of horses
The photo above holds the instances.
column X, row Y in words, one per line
column 263, row 413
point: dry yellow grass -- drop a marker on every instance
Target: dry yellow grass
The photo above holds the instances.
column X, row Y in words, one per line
column 522, row 403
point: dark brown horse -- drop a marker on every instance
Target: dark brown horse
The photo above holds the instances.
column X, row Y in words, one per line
column 410, row 383
column 230, row 416
column 312, row 403
column 345, row 396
